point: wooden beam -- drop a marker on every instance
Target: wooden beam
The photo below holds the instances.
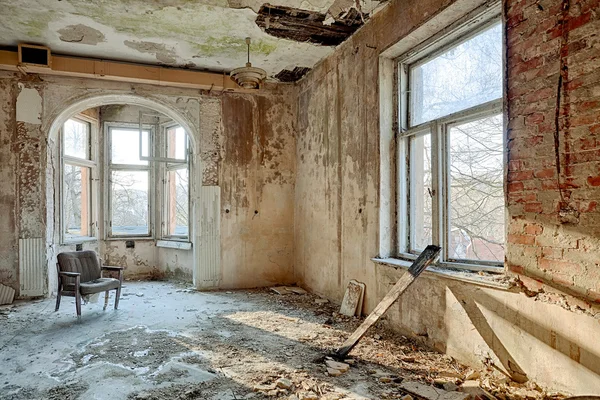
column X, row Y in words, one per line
column 427, row 256
column 123, row 72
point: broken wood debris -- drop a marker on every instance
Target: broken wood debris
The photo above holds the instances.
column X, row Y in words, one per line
column 307, row 26
column 283, row 290
column 425, row 258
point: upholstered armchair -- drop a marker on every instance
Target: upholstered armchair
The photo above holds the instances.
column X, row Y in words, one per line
column 80, row 274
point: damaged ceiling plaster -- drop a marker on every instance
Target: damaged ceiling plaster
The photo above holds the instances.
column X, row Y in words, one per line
column 289, row 35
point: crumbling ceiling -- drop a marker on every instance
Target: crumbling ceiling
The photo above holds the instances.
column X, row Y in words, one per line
column 199, row 34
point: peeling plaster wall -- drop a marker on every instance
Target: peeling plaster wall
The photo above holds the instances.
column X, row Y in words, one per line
column 256, row 249
column 257, row 189
column 533, row 328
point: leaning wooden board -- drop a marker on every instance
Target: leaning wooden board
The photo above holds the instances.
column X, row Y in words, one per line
column 427, row 256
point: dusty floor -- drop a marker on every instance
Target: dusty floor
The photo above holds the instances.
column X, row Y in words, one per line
column 168, row 342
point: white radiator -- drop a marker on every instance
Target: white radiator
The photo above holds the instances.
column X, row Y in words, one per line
column 209, row 249
column 32, row 267
column 7, row 294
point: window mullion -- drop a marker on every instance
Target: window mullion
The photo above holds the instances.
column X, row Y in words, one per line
column 439, row 198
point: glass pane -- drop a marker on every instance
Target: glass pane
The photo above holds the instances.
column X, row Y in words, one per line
column 176, row 143
column 76, row 138
column 420, row 192
column 464, row 76
column 177, row 202
column 76, row 201
column 129, row 207
column 125, row 146
column 476, row 192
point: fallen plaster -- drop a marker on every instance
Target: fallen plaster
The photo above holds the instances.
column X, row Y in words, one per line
column 29, row 105
column 169, row 342
column 81, row 34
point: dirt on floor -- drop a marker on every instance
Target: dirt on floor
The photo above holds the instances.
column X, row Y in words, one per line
column 252, row 351
column 274, row 348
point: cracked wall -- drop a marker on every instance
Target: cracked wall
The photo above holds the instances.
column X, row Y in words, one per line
column 533, row 329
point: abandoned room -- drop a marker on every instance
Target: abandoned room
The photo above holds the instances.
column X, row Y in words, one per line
column 336, row 199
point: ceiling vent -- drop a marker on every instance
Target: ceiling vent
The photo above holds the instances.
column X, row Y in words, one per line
column 248, row 77
column 34, row 56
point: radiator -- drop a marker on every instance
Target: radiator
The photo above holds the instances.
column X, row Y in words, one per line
column 32, row 267
column 209, row 249
column 7, row 294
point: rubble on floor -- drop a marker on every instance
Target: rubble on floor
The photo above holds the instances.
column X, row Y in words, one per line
column 225, row 345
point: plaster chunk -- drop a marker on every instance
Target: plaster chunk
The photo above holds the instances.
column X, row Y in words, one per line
column 160, row 50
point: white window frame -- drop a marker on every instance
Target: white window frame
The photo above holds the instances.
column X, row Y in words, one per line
column 165, row 168
column 92, row 181
column 439, row 129
column 150, row 168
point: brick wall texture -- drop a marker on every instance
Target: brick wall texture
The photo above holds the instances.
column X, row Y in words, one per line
column 553, row 185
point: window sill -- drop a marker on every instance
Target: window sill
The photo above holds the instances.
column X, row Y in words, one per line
column 493, row 280
column 78, row 240
column 174, row 244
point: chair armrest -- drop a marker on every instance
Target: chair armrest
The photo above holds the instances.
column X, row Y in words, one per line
column 110, row 268
column 69, row 274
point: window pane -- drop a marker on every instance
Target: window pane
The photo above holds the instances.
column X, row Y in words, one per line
column 76, row 201
column 76, row 138
column 125, row 146
column 476, row 191
column 464, row 76
column 129, row 207
column 177, row 202
column 420, row 192
column 176, row 143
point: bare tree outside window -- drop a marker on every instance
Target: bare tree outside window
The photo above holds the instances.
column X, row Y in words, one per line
column 456, row 96
column 76, row 179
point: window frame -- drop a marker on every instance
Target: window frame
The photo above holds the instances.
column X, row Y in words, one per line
column 110, row 167
column 165, row 168
column 439, row 128
column 92, row 181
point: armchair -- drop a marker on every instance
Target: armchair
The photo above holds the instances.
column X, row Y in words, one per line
column 80, row 273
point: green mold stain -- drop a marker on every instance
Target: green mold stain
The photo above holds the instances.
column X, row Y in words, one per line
column 33, row 24
column 233, row 46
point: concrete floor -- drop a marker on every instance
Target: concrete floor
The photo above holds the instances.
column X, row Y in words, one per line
column 168, row 342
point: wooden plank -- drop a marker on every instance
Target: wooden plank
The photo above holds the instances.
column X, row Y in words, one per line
column 427, row 256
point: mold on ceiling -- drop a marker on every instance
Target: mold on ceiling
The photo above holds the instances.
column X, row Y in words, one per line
column 198, row 34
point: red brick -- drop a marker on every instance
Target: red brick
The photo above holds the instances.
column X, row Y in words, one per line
column 521, row 239
column 545, row 173
column 593, row 180
column 564, row 267
column 520, row 176
column 533, row 207
column 535, row 118
column 515, row 187
column 533, row 229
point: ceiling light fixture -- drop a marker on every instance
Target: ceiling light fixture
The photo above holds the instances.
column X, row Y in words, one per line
column 248, row 77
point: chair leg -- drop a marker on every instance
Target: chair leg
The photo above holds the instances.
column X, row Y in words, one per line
column 105, row 300
column 57, row 301
column 117, row 296
column 78, row 303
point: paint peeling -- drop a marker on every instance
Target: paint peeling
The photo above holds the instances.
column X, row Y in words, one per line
column 29, row 105
column 160, row 50
column 81, row 34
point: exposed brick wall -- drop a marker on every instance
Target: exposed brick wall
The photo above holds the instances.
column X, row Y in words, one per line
column 554, row 146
